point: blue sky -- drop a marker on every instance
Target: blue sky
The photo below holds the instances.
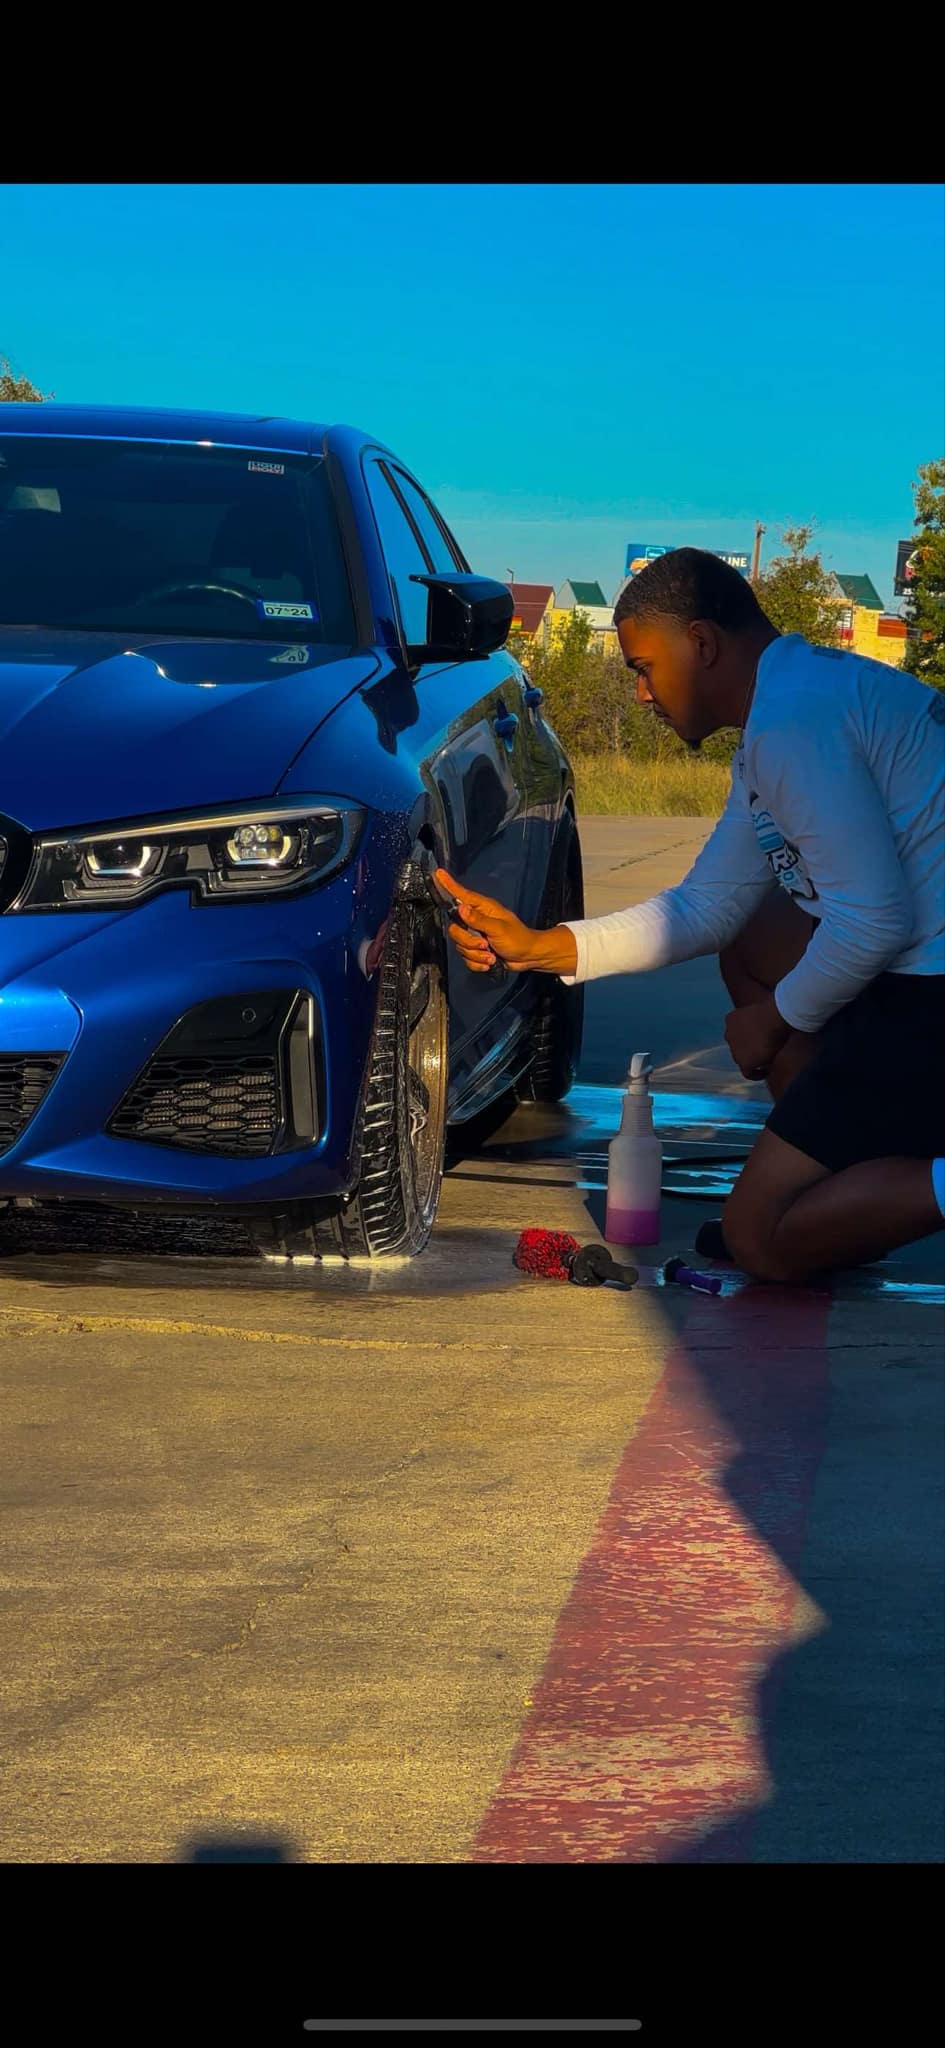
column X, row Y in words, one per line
column 566, row 367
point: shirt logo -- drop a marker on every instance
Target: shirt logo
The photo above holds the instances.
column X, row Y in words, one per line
column 783, row 859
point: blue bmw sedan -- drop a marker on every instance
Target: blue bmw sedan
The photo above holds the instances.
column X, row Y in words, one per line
column 250, row 695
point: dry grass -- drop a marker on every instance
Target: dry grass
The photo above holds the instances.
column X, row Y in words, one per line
column 616, row 785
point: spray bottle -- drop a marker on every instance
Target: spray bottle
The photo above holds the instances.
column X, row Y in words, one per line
column 635, row 1165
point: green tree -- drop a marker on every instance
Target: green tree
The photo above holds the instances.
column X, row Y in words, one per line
column 579, row 694
column 15, row 389
column 925, row 605
column 798, row 594
column 559, row 670
column 590, row 700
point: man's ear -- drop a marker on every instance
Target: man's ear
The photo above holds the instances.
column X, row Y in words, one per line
column 707, row 641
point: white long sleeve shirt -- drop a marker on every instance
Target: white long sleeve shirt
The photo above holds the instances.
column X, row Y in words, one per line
column 838, row 794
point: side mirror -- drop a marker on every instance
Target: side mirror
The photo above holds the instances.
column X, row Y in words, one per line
column 466, row 616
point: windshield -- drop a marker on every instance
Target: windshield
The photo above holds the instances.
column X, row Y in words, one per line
column 139, row 537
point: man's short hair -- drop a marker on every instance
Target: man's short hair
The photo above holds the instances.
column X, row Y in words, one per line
column 688, row 584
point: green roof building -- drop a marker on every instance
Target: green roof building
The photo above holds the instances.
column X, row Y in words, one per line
column 861, row 590
column 587, row 596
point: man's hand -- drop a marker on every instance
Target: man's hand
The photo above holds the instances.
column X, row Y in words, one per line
column 755, row 1036
column 497, row 934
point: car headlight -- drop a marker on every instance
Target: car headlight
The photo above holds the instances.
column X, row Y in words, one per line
column 253, row 850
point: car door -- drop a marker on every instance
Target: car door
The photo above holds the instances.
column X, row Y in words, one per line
column 542, row 770
column 533, row 759
column 469, row 737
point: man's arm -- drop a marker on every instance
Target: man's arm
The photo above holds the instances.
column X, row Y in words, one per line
column 703, row 913
column 724, row 885
column 819, row 787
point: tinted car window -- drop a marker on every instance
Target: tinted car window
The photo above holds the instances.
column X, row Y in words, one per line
column 404, row 554
column 135, row 536
column 441, row 554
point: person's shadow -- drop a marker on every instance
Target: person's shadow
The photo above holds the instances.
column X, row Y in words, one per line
column 238, row 1849
column 839, row 1470
column 850, row 1718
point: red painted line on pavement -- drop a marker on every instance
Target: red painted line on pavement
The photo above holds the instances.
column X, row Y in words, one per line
column 644, row 1742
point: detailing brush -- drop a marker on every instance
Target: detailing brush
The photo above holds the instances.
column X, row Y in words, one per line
column 547, row 1253
column 556, row 1255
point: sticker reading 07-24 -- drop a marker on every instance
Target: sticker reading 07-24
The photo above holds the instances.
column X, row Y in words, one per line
column 269, row 608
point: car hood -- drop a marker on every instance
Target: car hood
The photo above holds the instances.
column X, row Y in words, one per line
column 96, row 727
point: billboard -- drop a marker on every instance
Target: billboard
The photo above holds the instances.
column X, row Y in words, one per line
column 907, row 562
column 639, row 553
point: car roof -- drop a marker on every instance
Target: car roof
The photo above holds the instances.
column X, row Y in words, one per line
column 153, row 423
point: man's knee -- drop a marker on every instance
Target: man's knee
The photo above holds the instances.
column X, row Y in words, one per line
column 750, row 1230
column 754, row 1250
column 740, row 1228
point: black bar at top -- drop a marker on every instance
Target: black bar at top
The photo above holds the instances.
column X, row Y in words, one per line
column 471, row 2026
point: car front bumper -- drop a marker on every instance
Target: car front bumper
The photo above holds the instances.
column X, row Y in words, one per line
column 87, row 999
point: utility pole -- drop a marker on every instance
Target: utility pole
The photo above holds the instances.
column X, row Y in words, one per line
column 756, row 556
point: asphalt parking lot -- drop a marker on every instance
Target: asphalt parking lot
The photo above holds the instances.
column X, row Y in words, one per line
column 435, row 1563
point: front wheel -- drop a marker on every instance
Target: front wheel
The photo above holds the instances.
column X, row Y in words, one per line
column 403, row 1113
column 401, row 1124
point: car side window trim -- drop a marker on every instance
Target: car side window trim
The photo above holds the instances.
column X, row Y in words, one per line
column 375, row 458
column 372, row 459
column 452, row 545
column 351, row 550
column 391, row 475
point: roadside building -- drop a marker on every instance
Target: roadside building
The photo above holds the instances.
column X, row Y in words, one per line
column 589, row 599
column 532, row 602
column 865, row 626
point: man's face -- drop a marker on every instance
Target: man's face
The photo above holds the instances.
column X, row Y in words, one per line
column 671, row 664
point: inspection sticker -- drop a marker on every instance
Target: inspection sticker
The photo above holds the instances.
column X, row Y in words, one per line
column 269, row 609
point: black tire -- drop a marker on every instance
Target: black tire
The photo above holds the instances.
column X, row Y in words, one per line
column 401, row 1124
column 558, row 1026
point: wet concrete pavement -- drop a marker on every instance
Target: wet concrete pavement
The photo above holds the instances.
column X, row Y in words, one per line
column 436, row 1563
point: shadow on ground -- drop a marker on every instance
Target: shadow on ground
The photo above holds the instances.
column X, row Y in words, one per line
column 238, row 1849
column 836, row 1466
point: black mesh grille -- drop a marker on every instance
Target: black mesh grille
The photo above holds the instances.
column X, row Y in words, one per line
column 237, row 1074
column 24, row 1079
column 205, row 1103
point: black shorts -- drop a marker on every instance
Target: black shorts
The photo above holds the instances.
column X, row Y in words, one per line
column 875, row 1088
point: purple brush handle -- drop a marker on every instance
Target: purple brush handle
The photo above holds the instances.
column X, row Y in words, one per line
column 706, row 1283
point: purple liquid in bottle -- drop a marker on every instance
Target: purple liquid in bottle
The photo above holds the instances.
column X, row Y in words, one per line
column 632, row 1226
column 635, row 1165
